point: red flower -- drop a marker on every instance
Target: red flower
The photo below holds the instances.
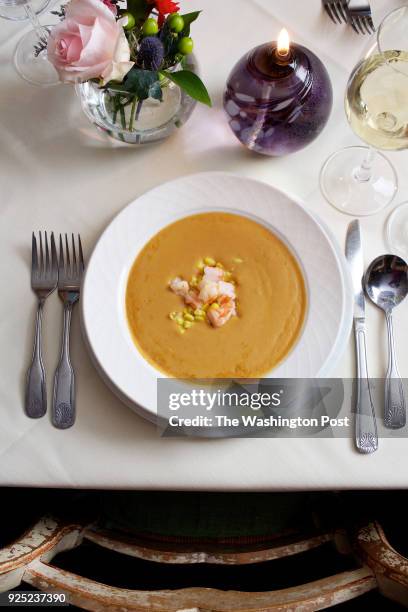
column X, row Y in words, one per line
column 165, row 7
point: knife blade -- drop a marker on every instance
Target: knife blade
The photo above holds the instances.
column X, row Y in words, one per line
column 366, row 437
column 354, row 256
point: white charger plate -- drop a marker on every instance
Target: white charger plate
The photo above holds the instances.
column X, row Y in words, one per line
column 329, row 317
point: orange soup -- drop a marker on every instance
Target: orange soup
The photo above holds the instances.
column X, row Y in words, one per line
column 177, row 337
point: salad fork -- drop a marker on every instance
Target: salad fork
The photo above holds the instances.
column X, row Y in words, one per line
column 70, row 272
column 44, row 278
column 336, row 10
column 359, row 17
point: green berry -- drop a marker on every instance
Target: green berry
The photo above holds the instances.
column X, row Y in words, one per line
column 186, row 45
column 130, row 20
column 150, row 27
column 176, row 23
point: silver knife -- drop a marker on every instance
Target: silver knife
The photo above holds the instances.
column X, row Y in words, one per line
column 366, row 436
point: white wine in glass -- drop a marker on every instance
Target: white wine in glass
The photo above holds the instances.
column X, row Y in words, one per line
column 358, row 180
column 377, row 100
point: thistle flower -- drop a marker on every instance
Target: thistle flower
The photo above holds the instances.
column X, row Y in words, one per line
column 151, row 53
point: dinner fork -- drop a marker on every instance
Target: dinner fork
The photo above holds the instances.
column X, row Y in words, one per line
column 70, row 272
column 336, row 10
column 359, row 17
column 44, row 278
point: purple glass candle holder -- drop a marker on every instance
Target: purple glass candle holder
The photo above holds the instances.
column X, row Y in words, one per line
column 278, row 104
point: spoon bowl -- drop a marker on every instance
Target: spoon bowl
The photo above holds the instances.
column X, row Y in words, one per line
column 386, row 281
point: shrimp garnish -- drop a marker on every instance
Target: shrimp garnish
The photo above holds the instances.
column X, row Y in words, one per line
column 212, row 292
column 219, row 316
column 182, row 288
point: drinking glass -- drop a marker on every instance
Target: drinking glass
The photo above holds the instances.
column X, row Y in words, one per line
column 30, row 56
column 359, row 180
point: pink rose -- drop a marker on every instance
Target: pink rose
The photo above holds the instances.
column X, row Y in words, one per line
column 89, row 43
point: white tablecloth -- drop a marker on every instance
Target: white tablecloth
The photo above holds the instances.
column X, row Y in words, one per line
column 57, row 173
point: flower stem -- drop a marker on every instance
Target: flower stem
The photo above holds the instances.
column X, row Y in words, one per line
column 132, row 114
column 115, row 109
column 139, row 108
column 122, row 115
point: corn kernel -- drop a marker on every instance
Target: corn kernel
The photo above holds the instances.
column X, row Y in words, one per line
column 209, row 261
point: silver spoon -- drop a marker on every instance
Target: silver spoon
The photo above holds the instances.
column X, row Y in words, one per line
column 386, row 284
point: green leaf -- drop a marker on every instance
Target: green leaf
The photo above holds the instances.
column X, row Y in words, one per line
column 142, row 83
column 191, row 84
column 140, row 10
column 188, row 20
column 169, row 40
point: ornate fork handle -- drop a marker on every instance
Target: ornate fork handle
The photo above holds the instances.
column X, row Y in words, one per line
column 366, row 427
column 36, row 391
column 63, row 410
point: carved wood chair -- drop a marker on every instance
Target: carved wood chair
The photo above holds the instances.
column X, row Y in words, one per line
column 29, row 561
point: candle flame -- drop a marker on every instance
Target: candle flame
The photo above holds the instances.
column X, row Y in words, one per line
column 283, row 43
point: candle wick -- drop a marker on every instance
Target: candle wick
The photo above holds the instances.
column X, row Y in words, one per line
column 284, row 55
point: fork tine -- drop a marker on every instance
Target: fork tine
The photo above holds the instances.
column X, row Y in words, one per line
column 47, row 255
column 359, row 23
column 81, row 255
column 334, row 9
column 353, row 24
column 61, row 264
column 34, row 255
column 41, row 255
column 340, row 8
column 368, row 24
column 74, row 259
column 365, row 24
column 54, row 258
column 329, row 12
column 68, row 266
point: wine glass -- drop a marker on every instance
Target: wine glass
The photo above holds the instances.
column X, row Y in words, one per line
column 30, row 56
column 359, row 180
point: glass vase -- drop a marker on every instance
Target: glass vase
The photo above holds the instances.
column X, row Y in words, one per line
column 125, row 118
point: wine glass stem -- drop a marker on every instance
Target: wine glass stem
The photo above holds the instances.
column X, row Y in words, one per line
column 362, row 174
column 42, row 33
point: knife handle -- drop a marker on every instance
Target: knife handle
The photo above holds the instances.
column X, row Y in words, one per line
column 365, row 423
